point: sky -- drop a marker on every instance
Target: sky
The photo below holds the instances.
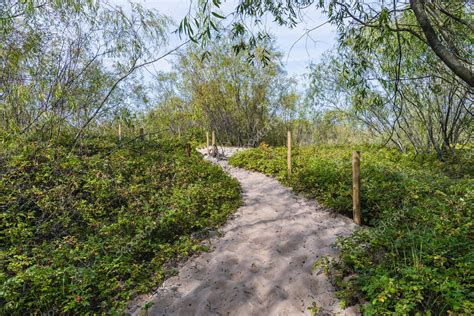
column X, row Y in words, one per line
column 297, row 54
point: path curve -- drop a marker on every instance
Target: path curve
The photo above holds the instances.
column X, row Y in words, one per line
column 261, row 264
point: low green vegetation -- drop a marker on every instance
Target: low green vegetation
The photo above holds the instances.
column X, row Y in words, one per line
column 83, row 231
column 416, row 251
column 87, row 223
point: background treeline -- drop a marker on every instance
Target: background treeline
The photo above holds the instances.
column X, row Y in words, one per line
column 383, row 84
column 68, row 67
column 75, row 76
column 213, row 88
column 361, row 92
column 245, row 101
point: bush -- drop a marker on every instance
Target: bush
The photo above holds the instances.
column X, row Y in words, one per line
column 85, row 231
column 417, row 254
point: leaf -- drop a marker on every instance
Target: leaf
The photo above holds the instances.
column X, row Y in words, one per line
column 217, row 15
column 213, row 25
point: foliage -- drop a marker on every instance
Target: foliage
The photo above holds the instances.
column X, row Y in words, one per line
column 443, row 27
column 87, row 223
column 397, row 77
column 70, row 64
column 85, row 231
column 313, row 309
column 221, row 91
column 396, row 89
column 417, row 254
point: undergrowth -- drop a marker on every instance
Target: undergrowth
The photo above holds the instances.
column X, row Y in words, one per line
column 415, row 253
column 84, row 231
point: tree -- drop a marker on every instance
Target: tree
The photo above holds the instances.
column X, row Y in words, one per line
column 426, row 108
column 63, row 70
column 221, row 91
column 444, row 27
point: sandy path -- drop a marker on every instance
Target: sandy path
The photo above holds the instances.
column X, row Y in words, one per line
column 261, row 265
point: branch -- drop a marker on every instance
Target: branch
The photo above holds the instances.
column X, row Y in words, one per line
column 455, row 18
column 303, row 35
column 377, row 25
column 123, row 77
column 439, row 49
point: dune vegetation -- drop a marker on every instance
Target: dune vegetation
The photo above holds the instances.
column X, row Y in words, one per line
column 103, row 104
column 85, row 232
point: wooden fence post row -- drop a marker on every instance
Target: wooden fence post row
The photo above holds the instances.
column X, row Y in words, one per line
column 289, row 152
column 356, row 187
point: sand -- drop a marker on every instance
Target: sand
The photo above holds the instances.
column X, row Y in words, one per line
column 261, row 262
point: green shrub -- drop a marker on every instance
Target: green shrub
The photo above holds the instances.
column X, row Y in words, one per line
column 417, row 253
column 85, row 231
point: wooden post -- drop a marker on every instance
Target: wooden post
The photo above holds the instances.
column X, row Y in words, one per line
column 213, row 138
column 120, row 132
column 187, row 150
column 289, row 152
column 356, row 187
column 207, row 142
column 142, row 133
